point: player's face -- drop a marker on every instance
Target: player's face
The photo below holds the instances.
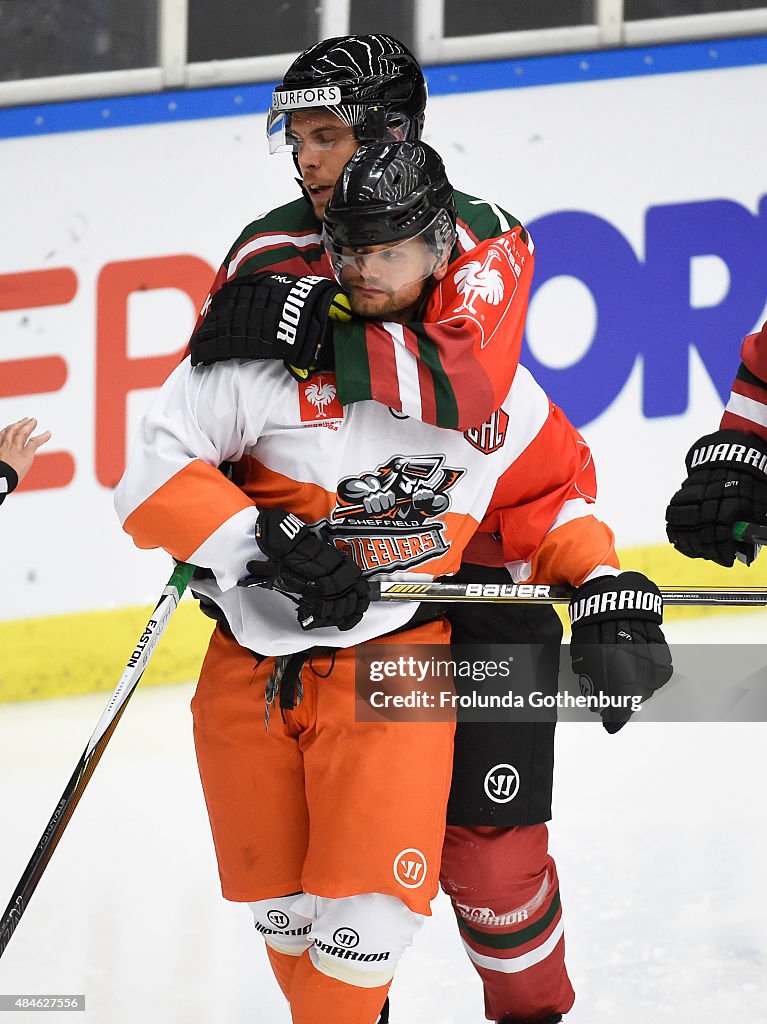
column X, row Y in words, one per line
column 323, row 145
column 385, row 280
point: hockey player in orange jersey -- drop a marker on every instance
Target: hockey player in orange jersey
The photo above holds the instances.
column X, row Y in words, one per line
column 336, row 95
column 332, row 829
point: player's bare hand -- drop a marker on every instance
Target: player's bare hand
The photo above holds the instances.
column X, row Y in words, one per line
column 18, row 447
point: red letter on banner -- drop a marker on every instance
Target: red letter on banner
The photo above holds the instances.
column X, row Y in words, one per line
column 116, row 373
column 41, row 374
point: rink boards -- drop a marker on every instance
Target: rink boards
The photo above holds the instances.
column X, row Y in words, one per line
column 638, row 174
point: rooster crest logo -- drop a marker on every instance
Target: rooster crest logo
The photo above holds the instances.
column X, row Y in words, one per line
column 320, row 393
column 478, row 280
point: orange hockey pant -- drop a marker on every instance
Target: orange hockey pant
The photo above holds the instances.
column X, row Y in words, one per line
column 319, row 802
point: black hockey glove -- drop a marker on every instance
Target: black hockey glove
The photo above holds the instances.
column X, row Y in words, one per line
column 618, row 650
column 272, row 316
column 726, row 482
column 329, row 585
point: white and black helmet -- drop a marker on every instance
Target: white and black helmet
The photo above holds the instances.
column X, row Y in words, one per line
column 372, row 82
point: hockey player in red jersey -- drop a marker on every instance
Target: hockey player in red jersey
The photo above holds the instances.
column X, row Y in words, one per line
column 727, row 470
column 443, row 374
column 330, row 828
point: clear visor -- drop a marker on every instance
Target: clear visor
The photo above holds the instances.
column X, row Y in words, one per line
column 390, row 267
column 281, row 138
column 276, row 130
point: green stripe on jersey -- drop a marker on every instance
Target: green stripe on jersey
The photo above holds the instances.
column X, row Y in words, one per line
column 515, row 939
column 444, row 396
column 480, row 217
column 351, row 353
column 272, row 258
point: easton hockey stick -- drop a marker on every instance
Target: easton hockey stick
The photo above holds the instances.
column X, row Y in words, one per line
column 75, row 788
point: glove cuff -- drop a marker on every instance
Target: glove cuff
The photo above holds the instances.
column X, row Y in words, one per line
column 729, row 449
column 629, row 595
column 278, row 532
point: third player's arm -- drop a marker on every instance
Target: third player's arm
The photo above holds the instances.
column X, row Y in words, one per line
column 746, row 409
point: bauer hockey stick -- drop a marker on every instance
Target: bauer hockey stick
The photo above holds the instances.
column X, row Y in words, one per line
column 529, row 593
column 522, row 593
column 75, row 788
column 541, row 593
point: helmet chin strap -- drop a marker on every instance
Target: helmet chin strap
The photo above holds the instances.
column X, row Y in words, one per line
column 304, row 192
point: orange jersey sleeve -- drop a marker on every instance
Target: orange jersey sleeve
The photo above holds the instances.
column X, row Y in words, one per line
column 541, row 521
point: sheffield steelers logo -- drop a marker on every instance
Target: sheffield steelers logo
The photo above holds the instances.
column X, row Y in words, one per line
column 410, row 868
column 502, row 783
column 278, row 919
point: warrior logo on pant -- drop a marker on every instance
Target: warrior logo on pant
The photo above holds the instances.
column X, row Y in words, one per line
column 502, row 783
column 410, row 868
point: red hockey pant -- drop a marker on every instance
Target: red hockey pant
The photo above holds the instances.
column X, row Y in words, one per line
column 505, row 893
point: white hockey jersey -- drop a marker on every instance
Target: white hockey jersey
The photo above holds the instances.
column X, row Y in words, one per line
column 402, row 497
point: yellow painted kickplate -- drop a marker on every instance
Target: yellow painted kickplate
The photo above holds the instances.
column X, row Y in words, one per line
column 63, row 655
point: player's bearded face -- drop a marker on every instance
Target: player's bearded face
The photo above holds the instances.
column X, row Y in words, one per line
column 385, row 280
column 323, row 145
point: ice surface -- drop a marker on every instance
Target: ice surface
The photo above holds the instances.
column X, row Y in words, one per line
column 659, row 834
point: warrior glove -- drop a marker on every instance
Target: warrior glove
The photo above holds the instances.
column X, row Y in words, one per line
column 726, row 483
column 618, row 650
column 272, row 316
column 330, row 587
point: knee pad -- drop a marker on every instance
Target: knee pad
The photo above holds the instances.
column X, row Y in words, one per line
column 495, row 877
column 282, row 928
column 358, row 939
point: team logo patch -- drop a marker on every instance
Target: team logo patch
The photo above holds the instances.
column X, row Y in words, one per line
column 502, row 783
column 477, row 281
column 346, row 937
column 410, row 868
column 490, row 436
column 382, row 518
column 480, row 284
column 318, row 401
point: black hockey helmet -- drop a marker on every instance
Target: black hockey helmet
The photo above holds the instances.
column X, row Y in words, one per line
column 371, row 82
column 387, row 194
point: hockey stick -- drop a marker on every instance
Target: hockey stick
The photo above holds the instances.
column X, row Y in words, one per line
column 541, row 593
column 527, row 593
column 75, row 788
column 523, row 593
